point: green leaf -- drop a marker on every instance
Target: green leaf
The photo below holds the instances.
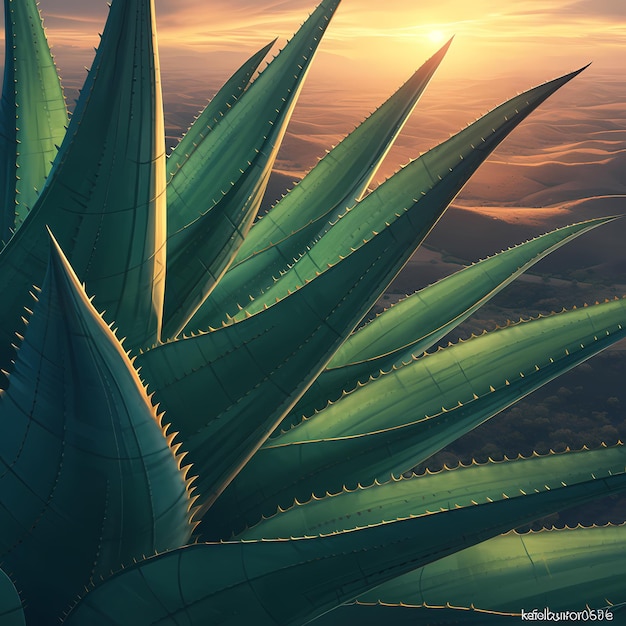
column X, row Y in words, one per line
column 291, row 582
column 33, row 115
column 105, row 196
column 89, row 481
column 400, row 419
column 334, row 184
column 254, row 370
column 427, row 184
column 420, row 320
column 446, row 489
column 343, row 175
column 506, row 362
column 224, row 179
column 287, row 345
column 214, row 112
column 11, row 612
column 567, row 569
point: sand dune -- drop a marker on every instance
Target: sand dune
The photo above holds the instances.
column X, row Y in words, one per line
column 544, row 183
column 570, row 150
column 565, row 163
column 584, row 123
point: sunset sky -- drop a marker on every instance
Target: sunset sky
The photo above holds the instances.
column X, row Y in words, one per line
column 373, row 46
column 564, row 164
column 369, row 39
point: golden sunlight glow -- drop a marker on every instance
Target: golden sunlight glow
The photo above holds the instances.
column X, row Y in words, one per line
column 436, row 36
column 388, row 40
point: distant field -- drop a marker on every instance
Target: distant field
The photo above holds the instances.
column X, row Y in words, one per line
column 564, row 164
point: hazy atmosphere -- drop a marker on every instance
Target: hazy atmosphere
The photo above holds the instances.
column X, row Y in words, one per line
column 372, row 47
column 566, row 161
column 564, row 164
column 370, row 40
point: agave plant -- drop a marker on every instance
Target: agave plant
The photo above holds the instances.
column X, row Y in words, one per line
column 241, row 459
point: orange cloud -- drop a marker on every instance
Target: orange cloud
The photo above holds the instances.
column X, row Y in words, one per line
column 368, row 42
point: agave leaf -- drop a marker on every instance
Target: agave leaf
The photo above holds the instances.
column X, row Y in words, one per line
column 326, row 308
column 33, row 115
column 291, row 582
column 334, row 184
column 566, row 569
column 214, row 112
column 245, row 408
column 366, row 614
column 420, row 320
column 105, row 196
column 446, row 489
column 506, row 359
column 11, row 612
column 432, row 180
column 271, row 374
column 412, row 412
column 89, row 480
column 343, row 175
column 221, row 187
column 245, row 135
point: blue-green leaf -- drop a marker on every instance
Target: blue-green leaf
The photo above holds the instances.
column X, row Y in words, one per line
column 420, row 320
column 88, row 479
column 427, row 184
column 400, row 419
column 11, row 612
column 105, row 196
column 287, row 344
column 566, row 569
column 446, row 489
column 333, row 185
column 255, row 369
column 33, row 115
column 220, row 189
column 281, row 583
column 214, row 112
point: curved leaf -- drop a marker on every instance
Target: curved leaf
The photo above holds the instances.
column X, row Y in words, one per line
column 33, row 115
column 417, row 322
column 343, row 175
column 221, row 187
column 566, row 570
column 334, row 184
column 502, row 362
column 219, row 106
column 245, row 408
column 11, row 612
column 105, row 196
column 274, row 358
column 449, row 488
column 291, row 582
column 405, row 416
column 87, row 478
column 432, row 180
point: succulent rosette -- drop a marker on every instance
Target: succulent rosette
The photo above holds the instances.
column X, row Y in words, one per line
column 242, row 458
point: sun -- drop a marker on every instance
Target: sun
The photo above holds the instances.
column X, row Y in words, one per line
column 436, row 36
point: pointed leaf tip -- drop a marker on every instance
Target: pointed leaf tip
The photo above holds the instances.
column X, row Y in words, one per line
column 67, row 345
